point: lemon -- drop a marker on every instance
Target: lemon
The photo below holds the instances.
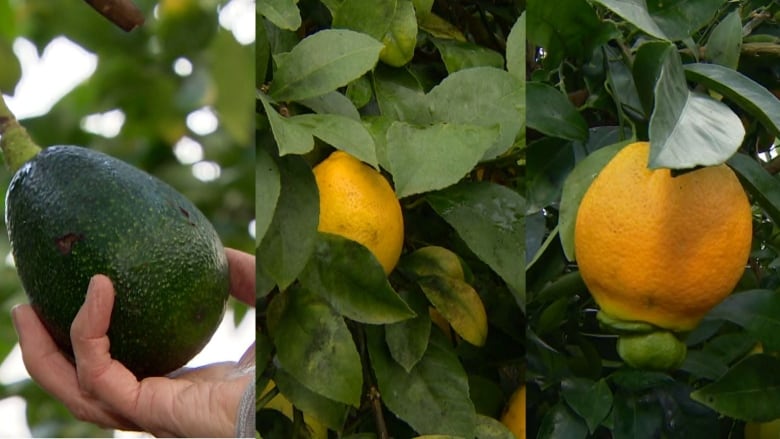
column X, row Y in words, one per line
column 661, row 249
column 514, row 415
column 357, row 202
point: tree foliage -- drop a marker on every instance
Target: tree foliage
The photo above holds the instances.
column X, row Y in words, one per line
column 431, row 94
column 135, row 75
column 699, row 79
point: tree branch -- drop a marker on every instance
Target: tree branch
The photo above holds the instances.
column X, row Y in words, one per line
column 123, row 13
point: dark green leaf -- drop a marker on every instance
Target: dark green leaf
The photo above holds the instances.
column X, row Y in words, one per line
column 566, row 28
column 458, row 55
column 636, row 13
column 748, row 94
column 416, row 154
column 636, row 417
column 725, row 41
column 647, row 69
column 689, row 129
column 758, row 311
column 350, row 278
column 292, row 234
column 560, row 422
column 680, row 19
column 314, row 345
column 592, row 400
column 759, row 183
column 408, row 339
column 735, row 394
column 322, row 62
column 488, row 217
column 553, row 113
column 483, row 96
column 433, row 397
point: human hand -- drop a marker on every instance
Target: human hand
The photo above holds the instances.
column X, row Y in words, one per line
column 98, row 389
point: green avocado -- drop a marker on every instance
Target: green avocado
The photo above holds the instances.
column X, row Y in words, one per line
column 73, row 212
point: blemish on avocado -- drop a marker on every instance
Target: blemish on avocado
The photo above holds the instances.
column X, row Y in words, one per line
column 65, row 242
column 186, row 215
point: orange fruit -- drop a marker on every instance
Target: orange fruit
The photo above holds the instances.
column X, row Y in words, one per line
column 357, row 202
column 661, row 249
column 514, row 415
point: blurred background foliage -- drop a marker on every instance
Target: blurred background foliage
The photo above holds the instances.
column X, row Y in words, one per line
column 179, row 64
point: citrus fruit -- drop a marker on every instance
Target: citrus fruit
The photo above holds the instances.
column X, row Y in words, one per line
column 357, row 202
column 661, row 249
column 514, row 415
column 762, row 430
column 659, row 350
column 284, row 406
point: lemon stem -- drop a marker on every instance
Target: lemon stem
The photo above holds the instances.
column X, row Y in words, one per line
column 15, row 143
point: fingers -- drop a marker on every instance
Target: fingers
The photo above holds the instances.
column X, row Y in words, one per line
column 49, row 367
column 100, row 376
column 242, row 275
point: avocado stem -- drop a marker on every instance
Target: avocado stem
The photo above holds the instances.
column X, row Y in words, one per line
column 17, row 146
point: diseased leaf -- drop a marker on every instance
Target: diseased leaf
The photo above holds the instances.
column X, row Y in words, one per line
column 348, row 276
column 433, row 397
column 314, row 345
column 322, row 62
column 459, row 304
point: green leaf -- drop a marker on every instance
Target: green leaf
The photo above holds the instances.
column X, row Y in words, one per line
column 350, row 278
column 759, row 183
column 592, row 400
column 735, row 394
column 292, row 234
column 400, row 96
column 433, row 398
column 328, row 412
column 323, row 62
column 561, row 421
column 574, row 188
column 341, row 132
column 647, row 68
column 636, row 13
column 725, row 41
column 417, row 154
column 282, row 13
column 400, row 39
column 233, row 71
column 489, row 428
column 370, row 18
column 515, row 49
column 488, row 217
column 314, row 345
column 758, row 311
column 636, row 417
column 553, row 114
column 333, row 103
column 743, row 91
column 689, row 129
column 459, row 55
column 460, row 304
column 566, row 28
column 680, row 19
column 267, row 189
column 432, row 261
column 408, row 339
column 483, row 96
column 290, row 138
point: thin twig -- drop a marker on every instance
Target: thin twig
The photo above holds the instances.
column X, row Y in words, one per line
column 123, row 13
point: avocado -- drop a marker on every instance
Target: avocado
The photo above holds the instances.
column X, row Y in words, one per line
column 72, row 212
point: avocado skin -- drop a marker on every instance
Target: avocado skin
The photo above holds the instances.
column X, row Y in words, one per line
column 72, row 212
